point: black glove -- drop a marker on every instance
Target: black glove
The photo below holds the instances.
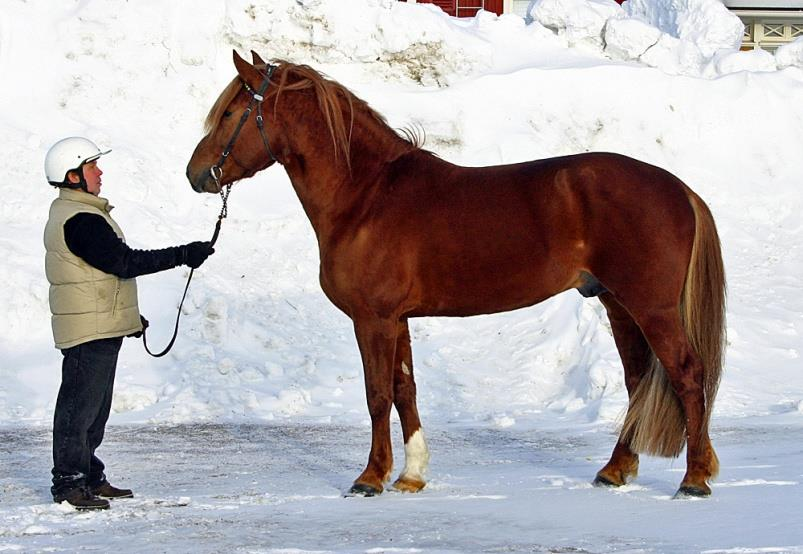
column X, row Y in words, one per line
column 145, row 324
column 195, row 253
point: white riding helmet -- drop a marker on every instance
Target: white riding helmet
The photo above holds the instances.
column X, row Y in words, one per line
column 67, row 155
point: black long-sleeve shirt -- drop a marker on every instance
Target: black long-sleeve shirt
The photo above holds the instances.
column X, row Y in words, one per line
column 92, row 239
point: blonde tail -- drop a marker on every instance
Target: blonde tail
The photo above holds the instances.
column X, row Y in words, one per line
column 655, row 422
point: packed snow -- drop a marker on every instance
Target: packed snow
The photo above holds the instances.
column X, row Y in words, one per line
column 246, row 435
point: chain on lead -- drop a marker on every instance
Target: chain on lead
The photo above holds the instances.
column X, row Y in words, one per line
column 217, row 173
column 224, row 196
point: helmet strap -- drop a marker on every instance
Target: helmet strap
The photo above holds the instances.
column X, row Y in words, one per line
column 80, row 185
column 74, row 186
column 82, row 182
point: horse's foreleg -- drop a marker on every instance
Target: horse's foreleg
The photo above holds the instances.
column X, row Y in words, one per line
column 416, row 453
column 377, row 341
column 635, row 354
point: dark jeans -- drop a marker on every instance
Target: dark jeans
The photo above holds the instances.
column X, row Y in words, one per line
column 82, row 409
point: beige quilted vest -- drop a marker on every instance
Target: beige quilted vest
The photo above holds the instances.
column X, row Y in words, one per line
column 85, row 303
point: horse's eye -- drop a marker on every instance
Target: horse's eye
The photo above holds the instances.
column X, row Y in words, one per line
column 227, row 114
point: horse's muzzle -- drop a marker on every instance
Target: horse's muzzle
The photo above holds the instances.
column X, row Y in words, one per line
column 202, row 181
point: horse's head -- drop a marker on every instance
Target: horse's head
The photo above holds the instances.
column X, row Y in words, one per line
column 235, row 147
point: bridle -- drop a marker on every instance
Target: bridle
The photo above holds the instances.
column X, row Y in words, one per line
column 216, row 171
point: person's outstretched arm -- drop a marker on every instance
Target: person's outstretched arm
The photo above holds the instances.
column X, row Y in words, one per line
column 92, row 239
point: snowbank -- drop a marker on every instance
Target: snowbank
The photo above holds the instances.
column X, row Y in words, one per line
column 427, row 48
column 790, row 54
column 705, row 23
column 677, row 36
column 258, row 340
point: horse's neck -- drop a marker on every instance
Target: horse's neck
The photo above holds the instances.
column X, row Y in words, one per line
column 330, row 190
column 327, row 192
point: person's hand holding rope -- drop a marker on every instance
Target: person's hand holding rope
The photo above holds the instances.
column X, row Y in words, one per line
column 196, row 253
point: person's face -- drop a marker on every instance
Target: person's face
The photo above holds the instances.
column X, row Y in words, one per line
column 92, row 175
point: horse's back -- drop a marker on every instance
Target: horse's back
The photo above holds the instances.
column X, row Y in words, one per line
column 458, row 240
column 577, row 197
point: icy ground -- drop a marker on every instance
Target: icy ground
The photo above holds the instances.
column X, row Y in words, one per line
column 254, row 488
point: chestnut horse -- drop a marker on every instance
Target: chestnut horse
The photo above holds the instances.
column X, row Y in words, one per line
column 403, row 233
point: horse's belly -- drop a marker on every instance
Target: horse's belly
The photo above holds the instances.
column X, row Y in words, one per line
column 488, row 292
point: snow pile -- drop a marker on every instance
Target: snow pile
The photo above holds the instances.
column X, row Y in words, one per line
column 258, row 339
column 707, row 24
column 581, row 22
column 790, row 54
column 750, row 60
column 428, row 48
column 677, row 36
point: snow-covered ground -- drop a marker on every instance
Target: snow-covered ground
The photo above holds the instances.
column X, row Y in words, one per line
column 260, row 488
column 257, row 419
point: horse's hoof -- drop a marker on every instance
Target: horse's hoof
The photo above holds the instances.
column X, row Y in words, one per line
column 361, row 489
column 600, row 481
column 408, row 485
column 692, row 491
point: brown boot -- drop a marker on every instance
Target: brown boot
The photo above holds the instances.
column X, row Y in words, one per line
column 107, row 490
column 82, row 499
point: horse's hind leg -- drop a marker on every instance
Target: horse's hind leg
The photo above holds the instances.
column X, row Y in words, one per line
column 416, row 453
column 666, row 334
column 635, row 354
column 377, row 338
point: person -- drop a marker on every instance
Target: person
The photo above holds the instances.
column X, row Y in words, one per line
column 93, row 302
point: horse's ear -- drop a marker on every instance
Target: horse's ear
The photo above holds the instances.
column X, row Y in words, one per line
column 247, row 72
column 256, row 59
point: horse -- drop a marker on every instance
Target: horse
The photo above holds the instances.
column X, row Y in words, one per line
column 403, row 233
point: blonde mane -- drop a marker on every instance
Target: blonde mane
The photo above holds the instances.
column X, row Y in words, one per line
column 215, row 115
column 337, row 105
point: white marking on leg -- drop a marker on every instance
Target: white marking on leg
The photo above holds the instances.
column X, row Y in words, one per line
column 405, row 368
column 416, row 457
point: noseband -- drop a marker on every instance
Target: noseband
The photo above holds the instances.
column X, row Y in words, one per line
column 257, row 97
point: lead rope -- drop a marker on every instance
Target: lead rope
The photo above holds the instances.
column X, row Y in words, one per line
column 224, row 212
column 216, row 171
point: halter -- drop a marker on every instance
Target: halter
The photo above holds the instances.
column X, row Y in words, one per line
column 217, row 173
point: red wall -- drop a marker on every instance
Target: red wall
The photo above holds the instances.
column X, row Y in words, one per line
column 465, row 8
